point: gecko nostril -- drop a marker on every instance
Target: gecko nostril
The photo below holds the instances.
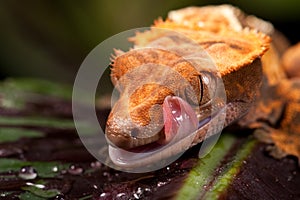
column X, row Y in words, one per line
column 134, row 132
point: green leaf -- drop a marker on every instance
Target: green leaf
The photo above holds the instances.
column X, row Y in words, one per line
column 35, row 189
column 29, row 196
column 37, row 86
column 37, row 121
column 5, row 194
column 44, row 169
column 202, row 173
column 86, row 197
column 224, row 180
column 15, row 92
column 203, row 182
column 13, row 134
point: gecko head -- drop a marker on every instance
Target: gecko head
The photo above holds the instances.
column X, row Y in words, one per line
column 159, row 92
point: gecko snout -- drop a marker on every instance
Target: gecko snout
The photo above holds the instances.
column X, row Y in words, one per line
column 122, row 131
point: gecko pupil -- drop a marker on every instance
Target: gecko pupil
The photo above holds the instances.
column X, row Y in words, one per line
column 201, row 88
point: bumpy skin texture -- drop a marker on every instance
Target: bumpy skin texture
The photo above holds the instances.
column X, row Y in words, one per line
column 278, row 109
column 134, row 110
column 136, row 107
column 291, row 61
column 256, row 95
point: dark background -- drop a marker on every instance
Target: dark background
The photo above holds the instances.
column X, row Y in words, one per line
column 50, row 39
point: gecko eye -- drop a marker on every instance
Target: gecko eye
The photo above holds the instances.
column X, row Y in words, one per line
column 207, row 83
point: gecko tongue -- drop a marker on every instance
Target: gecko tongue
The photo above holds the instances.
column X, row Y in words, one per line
column 179, row 119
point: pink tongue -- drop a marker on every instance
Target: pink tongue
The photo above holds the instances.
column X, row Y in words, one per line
column 179, row 119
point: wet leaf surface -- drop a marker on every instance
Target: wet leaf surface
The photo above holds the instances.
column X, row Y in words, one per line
column 41, row 157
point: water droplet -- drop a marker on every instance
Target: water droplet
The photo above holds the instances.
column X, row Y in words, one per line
column 3, row 194
column 40, row 186
column 144, row 192
column 121, row 194
column 59, row 197
column 75, row 170
column 136, row 196
column 139, row 190
column 27, row 173
column 168, row 168
column 159, row 184
column 138, row 193
column 55, row 169
column 103, row 194
column 96, row 164
column 95, row 186
column 106, row 174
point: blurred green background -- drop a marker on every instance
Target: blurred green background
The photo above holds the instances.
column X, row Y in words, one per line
column 50, row 39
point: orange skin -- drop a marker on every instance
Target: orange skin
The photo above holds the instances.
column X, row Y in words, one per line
column 259, row 95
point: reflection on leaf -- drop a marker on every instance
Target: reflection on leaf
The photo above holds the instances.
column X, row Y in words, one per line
column 41, row 192
column 44, row 169
column 14, row 93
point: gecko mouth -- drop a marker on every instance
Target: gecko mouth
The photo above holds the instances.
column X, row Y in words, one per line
column 180, row 123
